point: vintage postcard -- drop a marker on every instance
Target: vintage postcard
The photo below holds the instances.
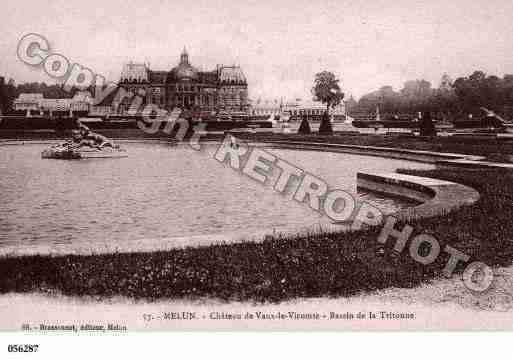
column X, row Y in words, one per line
column 255, row 166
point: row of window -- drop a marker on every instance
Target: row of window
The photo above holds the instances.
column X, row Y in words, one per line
column 207, row 100
column 131, row 80
column 266, row 112
column 178, row 88
column 134, row 81
column 308, row 111
column 195, row 88
column 156, row 92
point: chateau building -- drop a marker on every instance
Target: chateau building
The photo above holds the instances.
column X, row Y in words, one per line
column 202, row 93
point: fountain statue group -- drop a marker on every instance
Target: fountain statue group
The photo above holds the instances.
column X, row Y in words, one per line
column 84, row 143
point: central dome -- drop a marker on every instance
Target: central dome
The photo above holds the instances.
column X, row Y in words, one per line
column 184, row 71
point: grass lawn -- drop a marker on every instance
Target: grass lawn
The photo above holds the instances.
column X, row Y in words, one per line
column 492, row 148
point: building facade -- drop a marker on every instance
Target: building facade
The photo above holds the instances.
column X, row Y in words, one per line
column 37, row 104
column 28, row 102
column 202, row 93
column 269, row 108
column 297, row 109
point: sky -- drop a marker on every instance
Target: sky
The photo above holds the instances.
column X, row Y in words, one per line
column 280, row 45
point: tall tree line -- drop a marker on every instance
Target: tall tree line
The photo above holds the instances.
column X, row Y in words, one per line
column 450, row 100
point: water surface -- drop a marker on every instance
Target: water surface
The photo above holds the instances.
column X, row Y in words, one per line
column 158, row 197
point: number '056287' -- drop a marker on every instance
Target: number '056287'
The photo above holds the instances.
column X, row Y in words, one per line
column 22, row 348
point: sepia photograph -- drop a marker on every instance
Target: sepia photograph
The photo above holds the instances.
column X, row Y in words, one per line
column 172, row 166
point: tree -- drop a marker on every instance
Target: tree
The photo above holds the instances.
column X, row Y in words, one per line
column 7, row 96
column 327, row 90
column 479, row 90
column 427, row 127
column 304, row 127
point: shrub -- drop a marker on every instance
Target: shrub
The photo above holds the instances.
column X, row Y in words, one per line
column 304, row 127
column 325, row 127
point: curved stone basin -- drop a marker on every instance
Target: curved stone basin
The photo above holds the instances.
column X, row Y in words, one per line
column 436, row 196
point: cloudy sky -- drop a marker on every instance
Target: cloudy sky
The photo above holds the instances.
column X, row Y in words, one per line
column 279, row 44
